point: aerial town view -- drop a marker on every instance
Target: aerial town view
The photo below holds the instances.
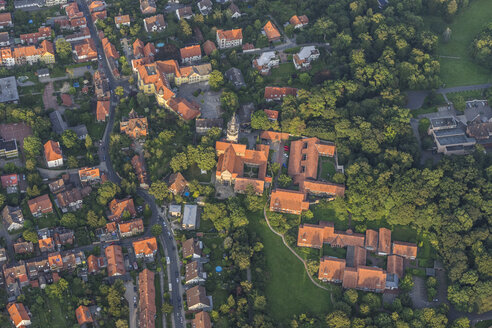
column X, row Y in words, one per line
column 245, row 163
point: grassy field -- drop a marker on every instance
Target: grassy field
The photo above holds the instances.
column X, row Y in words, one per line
column 289, row 289
column 465, row 27
column 53, row 316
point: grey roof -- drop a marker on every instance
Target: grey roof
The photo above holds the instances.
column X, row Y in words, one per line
column 8, row 89
column 236, row 77
column 442, row 122
column 59, row 125
column 8, row 145
column 266, row 57
column 245, row 112
column 209, row 122
column 4, row 37
column 391, row 280
column 306, row 52
column 80, row 130
column 189, row 215
column 175, row 208
column 43, row 71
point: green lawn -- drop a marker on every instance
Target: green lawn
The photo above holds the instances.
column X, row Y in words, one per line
column 325, row 212
column 289, row 289
column 158, row 300
column 465, row 27
column 53, row 316
column 484, row 324
column 327, row 168
column 282, row 73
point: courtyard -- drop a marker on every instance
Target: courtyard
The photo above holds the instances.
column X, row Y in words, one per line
column 200, row 92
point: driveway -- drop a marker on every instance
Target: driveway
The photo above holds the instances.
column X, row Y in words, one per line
column 419, row 294
column 129, row 294
column 415, row 99
column 209, row 100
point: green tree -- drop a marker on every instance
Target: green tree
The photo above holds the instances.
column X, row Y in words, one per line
column 120, row 323
column 216, row 80
column 167, row 308
column 260, row 121
column 72, row 162
column 229, row 101
column 32, row 146
column 156, row 230
column 337, row 319
column 159, row 190
column 350, row 296
column 63, row 49
column 69, row 220
column 106, row 192
column 284, row 180
column 30, row 235
column 119, row 91
column 179, row 162
column 69, row 139
column 88, row 142
column 185, row 28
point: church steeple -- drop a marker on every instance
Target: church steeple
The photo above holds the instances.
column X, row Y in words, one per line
column 233, row 130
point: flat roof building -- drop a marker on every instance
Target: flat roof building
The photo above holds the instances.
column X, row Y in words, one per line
column 189, row 216
column 8, row 90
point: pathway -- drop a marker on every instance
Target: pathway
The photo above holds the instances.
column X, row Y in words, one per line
column 294, row 252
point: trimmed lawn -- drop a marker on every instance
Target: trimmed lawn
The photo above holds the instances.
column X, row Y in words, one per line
column 289, row 290
column 340, row 253
column 326, row 212
column 484, row 324
column 158, row 300
column 282, row 73
column 53, row 316
column 466, row 26
column 194, row 173
column 327, row 169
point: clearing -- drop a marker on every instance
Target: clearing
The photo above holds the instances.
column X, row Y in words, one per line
column 465, row 27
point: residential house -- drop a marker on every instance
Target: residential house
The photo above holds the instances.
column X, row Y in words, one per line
column 50, row 3
column 303, row 59
column 83, row 34
column 43, row 33
column 43, row 73
column 406, row 250
column 229, row 38
column 101, row 86
column 3, row 3
column 5, row 20
column 154, row 23
column 89, row 175
column 184, row 13
column 4, row 39
column 99, row 15
column 55, row 261
column 23, row 247
column 46, row 245
column 94, row 264
column 131, row 228
column 232, row 160
column 193, row 74
column 450, row 136
column 102, row 110
column 146, row 293
column 372, row 238
column 192, row 249
column 201, row 320
column 63, row 237
column 321, row 189
column 177, row 183
column 139, row 167
column 365, row 278
column 57, row 186
column 8, row 149
column 272, row 115
column 3, row 259
column 135, row 127
column 69, row 200
column 96, row 6
column 10, row 182
column 205, row 7
column 395, row 265
column 116, row 262
column 40, row 206
column 190, row 54
column 83, row 315
column 187, row 110
column 189, row 217
column 148, row 7
column 145, row 248
column 209, row 47
column 314, row 236
column 53, row 154
column 277, row 93
column 8, row 60
column 271, row 32
column 384, row 243
column 196, row 298
column 110, row 49
column 12, row 218
column 194, row 273
column 122, row 20
column 266, row 61
column 275, row 137
column 298, row 21
column 288, row 201
column 235, row 76
column 85, row 51
column 234, row 11
column 18, row 315
column 118, row 207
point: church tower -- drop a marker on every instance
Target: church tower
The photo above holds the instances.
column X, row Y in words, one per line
column 233, row 130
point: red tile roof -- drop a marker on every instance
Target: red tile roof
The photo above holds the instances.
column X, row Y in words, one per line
column 146, row 246
column 241, row 185
column 230, row 35
column 384, row 245
column 83, row 315
column 102, row 110
column 274, row 136
column 395, row 265
column 147, row 309
column 331, row 269
column 201, row 320
column 116, row 265
column 271, row 31
column 407, row 250
column 271, row 114
column 371, row 240
column 190, row 51
column 52, row 151
column 18, row 314
column 41, row 204
column 9, row 180
column 288, row 201
column 321, row 188
column 278, row 92
column 118, row 207
column 177, row 183
column 304, row 158
column 187, row 110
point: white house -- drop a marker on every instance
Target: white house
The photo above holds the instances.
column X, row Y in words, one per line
column 266, row 61
column 303, row 58
column 189, row 216
column 53, row 154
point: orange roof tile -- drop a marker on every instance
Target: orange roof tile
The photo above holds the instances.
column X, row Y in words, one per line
column 89, row 173
column 92, row 264
column 299, row 20
column 271, row 114
column 118, row 207
column 321, row 188
column 111, row 226
column 18, row 314
column 350, row 278
column 384, row 245
column 123, row 19
column 209, row 47
column 310, row 235
column 83, row 315
column 271, row 31
column 274, row 136
column 360, row 255
column 55, row 260
column 116, row 265
column 201, row 320
column 177, row 183
column 230, row 34
column 52, row 151
column 304, row 157
column 241, row 185
column 102, row 110
column 41, row 204
column 331, row 269
column 371, row 239
column 371, row 278
column 147, row 309
column 395, row 265
column 408, row 250
column 129, row 226
column 288, row 201
column 190, row 51
column 188, row 110
column 146, row 246
column 278, row 92
column 46, row 243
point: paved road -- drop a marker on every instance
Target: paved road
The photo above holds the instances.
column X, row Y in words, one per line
column 464, row 88
column 129, row 295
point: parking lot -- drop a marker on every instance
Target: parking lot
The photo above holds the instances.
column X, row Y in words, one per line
column 209, row 100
